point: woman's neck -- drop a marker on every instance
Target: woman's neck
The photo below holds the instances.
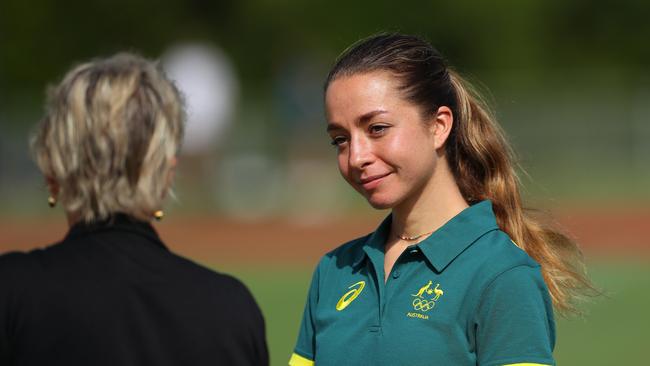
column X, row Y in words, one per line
column 437, row 202
column 73, row 218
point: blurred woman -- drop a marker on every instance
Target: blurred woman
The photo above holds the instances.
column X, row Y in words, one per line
column 110, row 292
column 458, row 273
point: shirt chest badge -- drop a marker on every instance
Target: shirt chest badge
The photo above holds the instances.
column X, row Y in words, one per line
column 425, row 299
column 349, row 296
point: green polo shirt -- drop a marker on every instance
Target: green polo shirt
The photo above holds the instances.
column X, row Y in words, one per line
column 467, row 295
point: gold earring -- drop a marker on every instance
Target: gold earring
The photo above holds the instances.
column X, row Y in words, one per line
column 51, row 201
column 158, row 215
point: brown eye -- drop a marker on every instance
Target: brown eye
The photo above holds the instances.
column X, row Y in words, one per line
column 338, row 140
column 378, row 129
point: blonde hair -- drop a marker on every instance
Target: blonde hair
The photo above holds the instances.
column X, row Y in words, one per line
column 477, row 151
column 110, row 133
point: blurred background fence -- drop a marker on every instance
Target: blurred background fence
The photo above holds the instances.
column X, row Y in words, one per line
column 258, row 192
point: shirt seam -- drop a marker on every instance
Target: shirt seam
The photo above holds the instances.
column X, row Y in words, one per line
column 303, row 354
column 496, row 277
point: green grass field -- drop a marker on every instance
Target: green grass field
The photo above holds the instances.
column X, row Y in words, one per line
column 611, row 332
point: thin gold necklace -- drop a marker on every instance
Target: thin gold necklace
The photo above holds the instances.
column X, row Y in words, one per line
column 411, row 238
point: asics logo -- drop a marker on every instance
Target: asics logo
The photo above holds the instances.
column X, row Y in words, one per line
column 349, row 296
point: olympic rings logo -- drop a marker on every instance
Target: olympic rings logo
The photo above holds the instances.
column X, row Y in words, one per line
column 423, row 304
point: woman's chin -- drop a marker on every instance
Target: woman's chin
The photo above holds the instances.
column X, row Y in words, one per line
column 381, row 203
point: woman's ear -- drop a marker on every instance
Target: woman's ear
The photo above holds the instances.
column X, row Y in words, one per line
column 441, row 125
column 172, row 171
column 52, row 186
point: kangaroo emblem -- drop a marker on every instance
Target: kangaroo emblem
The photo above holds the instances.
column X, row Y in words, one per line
column 424, row 304
column 424, row 289
column 437, row 291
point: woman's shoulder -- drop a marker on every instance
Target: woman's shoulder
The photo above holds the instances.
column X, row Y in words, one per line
column 22, row 260
column 18, row 269
column 12, row 261
column 346, row 254
column 37, row 262
column 496, row 252
column 209, row 276
column 503, row 268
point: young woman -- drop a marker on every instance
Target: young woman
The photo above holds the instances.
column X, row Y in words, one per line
column 458, row 273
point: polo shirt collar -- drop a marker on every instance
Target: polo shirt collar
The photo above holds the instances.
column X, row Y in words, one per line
column 373, row 248
column 443, row 245
column 446, row 243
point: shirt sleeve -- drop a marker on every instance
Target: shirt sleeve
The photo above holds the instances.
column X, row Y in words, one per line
column 305, row 351
column 250, row 338
column 514, row 320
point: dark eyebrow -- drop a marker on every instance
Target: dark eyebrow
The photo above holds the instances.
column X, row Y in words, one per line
column 360, row 120
column 365, row 117
column 333, row 126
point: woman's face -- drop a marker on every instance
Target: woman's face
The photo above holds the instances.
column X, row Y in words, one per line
column 386, row 150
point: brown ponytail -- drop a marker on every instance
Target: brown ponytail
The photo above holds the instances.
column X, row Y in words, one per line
column 477, row 151
column 482, row 162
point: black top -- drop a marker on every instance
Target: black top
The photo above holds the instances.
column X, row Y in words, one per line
column 112, row 294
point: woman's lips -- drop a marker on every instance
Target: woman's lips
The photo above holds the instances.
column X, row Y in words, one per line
column 372, row 182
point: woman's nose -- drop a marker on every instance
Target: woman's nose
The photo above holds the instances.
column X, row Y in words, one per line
column 360, row 152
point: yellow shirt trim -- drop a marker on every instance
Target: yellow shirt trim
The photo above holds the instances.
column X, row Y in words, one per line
column 298, row 360
column 526, row 364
